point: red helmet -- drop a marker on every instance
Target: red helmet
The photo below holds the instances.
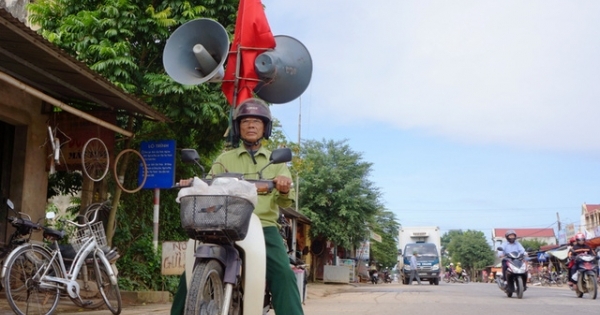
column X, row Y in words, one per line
column 572, row 240
column 580, row 237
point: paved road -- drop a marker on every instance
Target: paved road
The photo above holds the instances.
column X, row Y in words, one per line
column 450, row 299
column 392, row 299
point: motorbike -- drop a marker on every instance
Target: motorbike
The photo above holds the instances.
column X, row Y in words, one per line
column 464, row 277
column 226, row 264
column 387, row 277
column 374, row 276
column 516, row 274
column 585, row 275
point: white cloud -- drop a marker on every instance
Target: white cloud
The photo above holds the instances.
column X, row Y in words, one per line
column 524, row 73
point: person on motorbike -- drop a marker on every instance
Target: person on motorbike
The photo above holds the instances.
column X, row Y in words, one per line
column 458, row 271
column 510, row 245
column 252, row 123
column 372, row 269
column 580, row 247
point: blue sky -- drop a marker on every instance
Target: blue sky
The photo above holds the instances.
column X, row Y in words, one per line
column 474, row 114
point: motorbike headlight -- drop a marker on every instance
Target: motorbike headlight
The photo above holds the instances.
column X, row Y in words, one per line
column 522, row 269
column 435, row 267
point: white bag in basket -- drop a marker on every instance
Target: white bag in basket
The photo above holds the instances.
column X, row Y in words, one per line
column 234, row 187
column 199, row 187
column 221, row 186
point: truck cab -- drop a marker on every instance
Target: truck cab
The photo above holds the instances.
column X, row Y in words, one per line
column 428, row 262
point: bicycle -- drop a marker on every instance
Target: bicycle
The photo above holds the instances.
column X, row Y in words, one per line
column 35, row 275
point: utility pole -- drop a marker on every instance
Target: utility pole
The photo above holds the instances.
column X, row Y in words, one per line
column 558, row 221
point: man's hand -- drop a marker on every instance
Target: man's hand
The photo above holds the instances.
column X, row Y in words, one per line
column 283, row 184
column 185, row 182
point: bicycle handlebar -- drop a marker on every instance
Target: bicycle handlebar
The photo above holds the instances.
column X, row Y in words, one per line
column 86, row 216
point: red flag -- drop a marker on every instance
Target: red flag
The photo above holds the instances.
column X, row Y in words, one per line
column 251, row 30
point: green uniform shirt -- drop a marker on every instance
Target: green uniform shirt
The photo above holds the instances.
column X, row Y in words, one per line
column 240, row 161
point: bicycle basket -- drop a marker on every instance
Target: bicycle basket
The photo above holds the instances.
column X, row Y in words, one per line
column 83, row 235
column 206, row 216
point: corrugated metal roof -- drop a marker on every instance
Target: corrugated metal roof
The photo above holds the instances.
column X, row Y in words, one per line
column 31, row 59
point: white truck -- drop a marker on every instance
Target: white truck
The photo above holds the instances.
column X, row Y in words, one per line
column 426, row 240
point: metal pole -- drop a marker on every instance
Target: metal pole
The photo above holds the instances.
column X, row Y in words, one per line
column 155, row 218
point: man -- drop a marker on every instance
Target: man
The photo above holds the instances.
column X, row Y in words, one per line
column 580, row 247
column 252, row 123
column 510, row 245
column 414, row 273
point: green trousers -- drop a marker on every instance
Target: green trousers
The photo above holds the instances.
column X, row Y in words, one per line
column 280, row 279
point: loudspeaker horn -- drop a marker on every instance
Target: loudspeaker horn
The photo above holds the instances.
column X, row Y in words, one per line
column 196, row 52
column 284, row 72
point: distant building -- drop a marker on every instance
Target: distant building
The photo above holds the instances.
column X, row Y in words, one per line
column 590, row 220
column 544, row 235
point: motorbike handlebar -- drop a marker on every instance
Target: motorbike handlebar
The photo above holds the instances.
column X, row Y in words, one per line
column 263, row 186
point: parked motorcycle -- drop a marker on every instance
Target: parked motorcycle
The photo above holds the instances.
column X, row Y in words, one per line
column 516, row 274
column 585, row 275
column 228, row 271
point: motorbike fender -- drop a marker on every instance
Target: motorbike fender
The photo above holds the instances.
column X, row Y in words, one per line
column 254, row 266
column 227, row 255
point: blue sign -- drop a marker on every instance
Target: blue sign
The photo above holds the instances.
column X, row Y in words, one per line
column 541, row 257
column 160, row 161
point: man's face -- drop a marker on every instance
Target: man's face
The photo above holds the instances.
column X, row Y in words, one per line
column 251, row 128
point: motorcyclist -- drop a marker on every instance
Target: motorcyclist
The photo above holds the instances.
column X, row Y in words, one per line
column 580, row 247
column 458, row 270
column 510, row 245
column 252, row 122
column 372, row 270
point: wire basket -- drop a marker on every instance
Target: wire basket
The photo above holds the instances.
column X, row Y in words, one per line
column 209, row 216
column 83, row 235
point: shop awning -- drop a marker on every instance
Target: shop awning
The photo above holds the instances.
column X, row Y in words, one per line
column 560, row 254
column 292, row 213
column 31, row 59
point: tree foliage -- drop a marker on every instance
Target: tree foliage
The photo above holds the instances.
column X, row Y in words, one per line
column 470, row 248
column 385, row 225
column 336, row 193
column 532, row 245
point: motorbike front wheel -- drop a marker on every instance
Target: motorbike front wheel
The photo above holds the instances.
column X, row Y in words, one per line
column 206, row 292
column 591, row 284
column 467, row 279
column 520, row 287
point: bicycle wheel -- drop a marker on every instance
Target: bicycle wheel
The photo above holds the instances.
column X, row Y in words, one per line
column 25, row 293
column 94, row 159
column 205, row 295
column 109, row 291
column 130, row 183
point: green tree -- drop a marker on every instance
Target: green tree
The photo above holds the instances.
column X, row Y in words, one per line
column 336, row 193
column 532, row 245
column 386, row 226
column 471, row 249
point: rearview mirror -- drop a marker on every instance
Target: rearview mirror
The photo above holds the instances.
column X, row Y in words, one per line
column 500, row 249
column 282, row 155
column 50, row 215
column 10, row 204
column 189, row 156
